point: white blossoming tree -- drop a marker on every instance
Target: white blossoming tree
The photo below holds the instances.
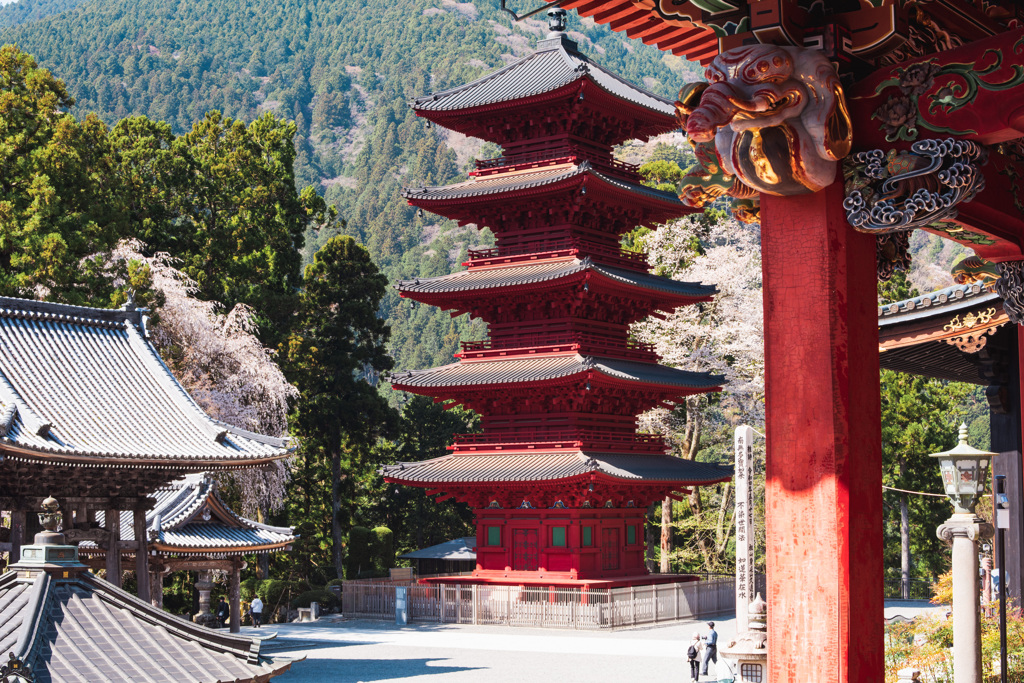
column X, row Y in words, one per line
column 723, row 337
column 220, row 361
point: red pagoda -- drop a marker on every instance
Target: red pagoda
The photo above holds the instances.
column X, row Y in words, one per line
column 560, row 481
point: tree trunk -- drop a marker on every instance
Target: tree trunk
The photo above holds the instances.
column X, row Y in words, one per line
column 336, row 530
column 904, row 547
column 666, row 534
column 650, row 538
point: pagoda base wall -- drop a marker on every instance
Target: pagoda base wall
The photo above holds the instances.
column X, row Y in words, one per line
column 559, row 544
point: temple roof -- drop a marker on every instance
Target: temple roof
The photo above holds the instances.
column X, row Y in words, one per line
column 536, row 273
column 190, row 517
column 536, row 467
column 556, row 63
column 455, row 550
column 85, row 629
column 486, row 186
column 528, row 370
column 84, row 385
column 939, row 302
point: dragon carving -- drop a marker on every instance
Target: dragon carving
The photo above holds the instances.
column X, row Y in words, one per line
column 777, row 118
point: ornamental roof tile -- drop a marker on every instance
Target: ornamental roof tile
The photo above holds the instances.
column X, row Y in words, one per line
column 535, row 273
column 179, row 523
column 85, row 629
column 555, row 367
column 941, row 301
column 84, row 384
column 502, row 183
column 556, row 63
column 536, row 467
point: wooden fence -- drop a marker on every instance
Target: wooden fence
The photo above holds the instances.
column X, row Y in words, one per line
column 570, row 608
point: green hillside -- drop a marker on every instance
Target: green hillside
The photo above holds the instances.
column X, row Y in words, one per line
column 344, row 70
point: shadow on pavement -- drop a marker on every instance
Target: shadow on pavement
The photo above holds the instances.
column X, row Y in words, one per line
column 367, row 670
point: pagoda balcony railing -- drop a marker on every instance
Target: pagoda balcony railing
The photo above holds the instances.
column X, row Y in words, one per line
column 552, row 157
column 536, row 440
column 555, row 249
column 534, row 344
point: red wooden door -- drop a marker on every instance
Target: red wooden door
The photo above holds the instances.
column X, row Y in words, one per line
column 525, row 550
column 609, row 548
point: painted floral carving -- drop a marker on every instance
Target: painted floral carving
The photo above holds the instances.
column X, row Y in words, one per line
column 899, row 118
column 777, row 117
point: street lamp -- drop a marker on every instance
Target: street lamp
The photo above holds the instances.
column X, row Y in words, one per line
column 964, row 469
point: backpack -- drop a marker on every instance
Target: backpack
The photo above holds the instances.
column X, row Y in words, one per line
column 692, row 652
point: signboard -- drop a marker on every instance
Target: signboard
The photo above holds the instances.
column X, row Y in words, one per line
column 401, row 605
column 744, row 447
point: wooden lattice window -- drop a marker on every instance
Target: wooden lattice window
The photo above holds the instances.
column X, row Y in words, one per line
column 630, row 535
column 494, row 535
column 588, row 536
column 751, row 673
column 609, row 549
column 558, row 536
column 525, row 557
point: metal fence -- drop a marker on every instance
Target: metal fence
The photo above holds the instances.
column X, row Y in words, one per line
column 570, row 608
column 917, row 589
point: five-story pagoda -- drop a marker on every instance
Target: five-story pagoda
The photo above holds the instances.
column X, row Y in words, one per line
column 559, row 479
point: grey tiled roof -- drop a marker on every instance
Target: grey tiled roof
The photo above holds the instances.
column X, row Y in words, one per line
column 176, row 523
column 942, row 301
column 555, row 63
column 471, row 280
column 457, row 549
column 498, row 184
column 85, row 385
column 88, row 630
column 553, row 466
column 541, row 369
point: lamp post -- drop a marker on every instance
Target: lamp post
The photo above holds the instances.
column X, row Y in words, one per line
column 963, row 475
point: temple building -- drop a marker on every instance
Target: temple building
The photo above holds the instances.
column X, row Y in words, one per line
column 560, row 480
column 89, row 413
column 191, row 528
column 59, row 623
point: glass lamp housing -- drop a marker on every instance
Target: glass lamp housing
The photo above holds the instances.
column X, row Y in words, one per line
column 964, row 470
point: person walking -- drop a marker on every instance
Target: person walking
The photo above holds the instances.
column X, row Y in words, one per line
column 223, row 612
column 710, row 649
column 256, row 610
column 693, row 656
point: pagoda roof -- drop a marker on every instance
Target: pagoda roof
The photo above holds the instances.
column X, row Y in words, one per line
column 190, row 517
column 547, row 178
column 538, row 273
column 555, row 64
column 538, row 467
column 531, row 370
column 85, row 386
column 86, row 629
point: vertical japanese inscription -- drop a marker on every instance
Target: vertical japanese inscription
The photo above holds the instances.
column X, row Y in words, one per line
column 744, row 447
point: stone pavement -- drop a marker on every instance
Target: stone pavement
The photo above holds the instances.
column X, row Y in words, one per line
column 353, row 651
column 363, row 651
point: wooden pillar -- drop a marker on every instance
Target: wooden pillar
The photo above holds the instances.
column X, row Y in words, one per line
column 113, row 520
column 17, row 534
column 235, row 596
column 824, row 479
column 141, row 554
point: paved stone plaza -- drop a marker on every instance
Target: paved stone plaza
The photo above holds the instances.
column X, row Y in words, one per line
column 354, row 651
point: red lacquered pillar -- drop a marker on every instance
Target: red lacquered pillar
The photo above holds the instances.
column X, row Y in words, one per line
column 824, row 473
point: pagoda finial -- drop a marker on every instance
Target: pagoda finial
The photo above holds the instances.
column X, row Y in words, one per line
column 556, row 22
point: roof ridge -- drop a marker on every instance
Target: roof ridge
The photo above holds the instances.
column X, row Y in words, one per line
column 33, row 309
column 433, row 97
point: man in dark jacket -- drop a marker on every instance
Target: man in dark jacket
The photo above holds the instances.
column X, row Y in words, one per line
column 710, row 648
column 223, row 612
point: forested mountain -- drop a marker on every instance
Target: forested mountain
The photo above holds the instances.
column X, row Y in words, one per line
column 344, row 70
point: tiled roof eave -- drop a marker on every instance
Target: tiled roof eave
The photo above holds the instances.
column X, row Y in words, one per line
column 221, row 550
column 15, row 451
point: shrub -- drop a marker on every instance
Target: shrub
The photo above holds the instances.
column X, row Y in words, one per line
column 382, row 549
column 249, row 588
column 358, row 558
column 320, row 595
column 273, row 592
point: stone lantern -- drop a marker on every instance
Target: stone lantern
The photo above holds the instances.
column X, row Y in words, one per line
column 749, row 650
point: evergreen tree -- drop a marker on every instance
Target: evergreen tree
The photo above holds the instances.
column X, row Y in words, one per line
column 335, row 356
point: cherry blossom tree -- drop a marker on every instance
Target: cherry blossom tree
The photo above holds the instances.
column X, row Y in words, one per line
column 724, row 336
column 219, row 360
